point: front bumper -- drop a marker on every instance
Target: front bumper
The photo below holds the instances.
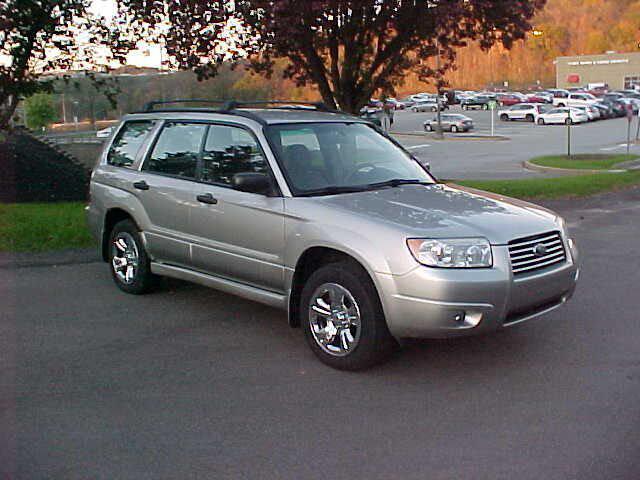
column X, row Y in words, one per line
column 436, row 303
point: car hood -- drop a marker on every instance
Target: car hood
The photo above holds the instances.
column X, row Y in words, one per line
column 441, row 211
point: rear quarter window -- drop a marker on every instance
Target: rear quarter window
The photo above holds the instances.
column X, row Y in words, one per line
column 127, row 143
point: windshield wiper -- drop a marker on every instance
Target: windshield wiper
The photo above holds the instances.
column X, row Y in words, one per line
column 333, row 190
column 397, row 182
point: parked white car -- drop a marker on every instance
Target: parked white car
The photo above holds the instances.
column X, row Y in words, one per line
column 579, row 99
column 522, row 111
column 104, row 133
column 592, row 112
column 562, row 115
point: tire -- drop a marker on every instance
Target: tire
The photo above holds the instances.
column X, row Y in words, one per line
column 454, row 129
column 541, row 121
column 561, row 105
column 464, row 107
column 568, row 121
column 428, row 128
column 348, row 284
column 504, row 117
column 434, row 109
column 529, row 118
column 141, row 280
column 485, row 106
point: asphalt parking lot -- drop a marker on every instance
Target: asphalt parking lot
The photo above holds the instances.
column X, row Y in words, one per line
column 460, row 157
column 192, row 383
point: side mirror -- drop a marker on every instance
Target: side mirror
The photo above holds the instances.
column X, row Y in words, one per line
column 251, row 182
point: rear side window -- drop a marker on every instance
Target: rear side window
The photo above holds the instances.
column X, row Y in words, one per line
column 130, row 138
column 177, row 150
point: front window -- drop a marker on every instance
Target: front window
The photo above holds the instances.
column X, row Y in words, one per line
column 325, row 158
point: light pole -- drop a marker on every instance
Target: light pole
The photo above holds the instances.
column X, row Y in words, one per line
column 539, row 34
column 438, row 116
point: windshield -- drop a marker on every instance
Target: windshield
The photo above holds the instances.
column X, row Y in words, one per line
column 325, row 158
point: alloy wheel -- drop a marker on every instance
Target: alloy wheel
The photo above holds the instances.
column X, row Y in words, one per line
column 334, row 319
column 125, row 257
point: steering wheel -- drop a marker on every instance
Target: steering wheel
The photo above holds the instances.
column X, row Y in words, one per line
column 359, row 167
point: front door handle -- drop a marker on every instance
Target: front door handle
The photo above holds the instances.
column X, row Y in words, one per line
column 207, row 198
column 141, row 185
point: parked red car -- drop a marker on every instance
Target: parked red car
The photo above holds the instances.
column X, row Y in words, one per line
column 507, row 99
column 539, row 98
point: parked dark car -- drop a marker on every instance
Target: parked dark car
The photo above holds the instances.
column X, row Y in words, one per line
column 605, row 110
column 478, row 102
column 617, row 106
column 373, row 115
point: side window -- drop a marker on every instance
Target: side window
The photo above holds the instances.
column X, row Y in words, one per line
column 130, row 138
column 177, row 149
column 230, row 150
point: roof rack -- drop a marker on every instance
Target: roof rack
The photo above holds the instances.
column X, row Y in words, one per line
column 227, row 105
column 149, row 106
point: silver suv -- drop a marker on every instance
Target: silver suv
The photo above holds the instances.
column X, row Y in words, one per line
column 320, row 214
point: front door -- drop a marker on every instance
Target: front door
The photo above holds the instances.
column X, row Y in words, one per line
column 236, row 235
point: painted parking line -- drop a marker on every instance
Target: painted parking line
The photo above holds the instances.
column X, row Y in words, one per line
column 415, row 147
column 617, row 147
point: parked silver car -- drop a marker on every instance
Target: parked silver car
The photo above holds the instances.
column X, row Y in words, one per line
column 451, row 122
column 320, row 214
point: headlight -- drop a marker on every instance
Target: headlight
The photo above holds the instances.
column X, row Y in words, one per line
column 563, row 227
column 452, row 252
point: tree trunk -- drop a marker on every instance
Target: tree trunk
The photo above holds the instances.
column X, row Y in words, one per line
column 7, row 109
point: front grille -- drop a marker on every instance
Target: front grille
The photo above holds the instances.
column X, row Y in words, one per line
column 535, row 252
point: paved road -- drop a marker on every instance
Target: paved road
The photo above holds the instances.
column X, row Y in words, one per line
column 192, row 383
column 456, row 158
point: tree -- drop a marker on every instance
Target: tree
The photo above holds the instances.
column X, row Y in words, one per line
column 347, row 49
column 39, row 37
column 40, row 110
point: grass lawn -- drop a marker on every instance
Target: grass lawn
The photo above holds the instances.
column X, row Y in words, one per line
column 38, row 227
column 583, row 161
column 578, row 186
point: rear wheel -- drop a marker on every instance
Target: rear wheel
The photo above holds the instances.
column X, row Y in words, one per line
column 561, row 105
column 454, row 129
column 541, row 121
column 529, row 118
column 485, row 106
column 428, row 127
column 568, row 121
column 504, row 117
column 342, row 318
column 129, row 262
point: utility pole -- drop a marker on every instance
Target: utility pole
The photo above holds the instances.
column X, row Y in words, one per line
column 438, row 116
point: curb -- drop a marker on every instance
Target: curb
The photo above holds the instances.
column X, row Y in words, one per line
column 566, row 171
column 453, row 137
column 10, row 260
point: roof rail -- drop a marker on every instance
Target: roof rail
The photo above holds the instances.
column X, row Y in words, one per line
column 226, row 105
column 149, row 106
column 284, row 104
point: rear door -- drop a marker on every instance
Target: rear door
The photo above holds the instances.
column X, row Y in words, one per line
column 170, row 171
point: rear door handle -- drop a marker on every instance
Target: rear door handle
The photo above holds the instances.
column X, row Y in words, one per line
column 141, row 185
column 207, row 198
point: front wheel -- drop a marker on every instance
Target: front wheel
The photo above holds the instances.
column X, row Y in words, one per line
column 454, row 129
column 504, row 117
column 568, row 121
column 428, row 127
column 541, row 121
column 342, row 318
column 485, row 107
column 129, row 262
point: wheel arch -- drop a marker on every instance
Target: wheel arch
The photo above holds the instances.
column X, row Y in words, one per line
column 111, row 218
column 310, row 260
